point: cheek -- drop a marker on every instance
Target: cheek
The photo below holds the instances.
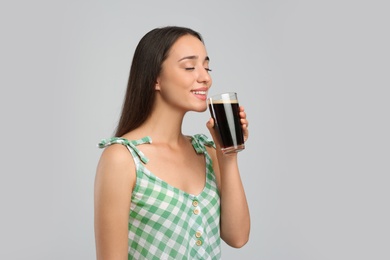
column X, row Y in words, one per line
column 171, row 77
column 178, row 82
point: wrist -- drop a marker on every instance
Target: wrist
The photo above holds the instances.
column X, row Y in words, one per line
column 226, row 158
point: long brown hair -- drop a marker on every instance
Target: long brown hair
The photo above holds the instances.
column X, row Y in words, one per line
column 151, row 52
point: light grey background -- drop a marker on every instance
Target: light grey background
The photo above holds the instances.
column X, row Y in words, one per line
column 313, row 76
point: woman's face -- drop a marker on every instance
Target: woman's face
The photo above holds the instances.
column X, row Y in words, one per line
column 184, row 80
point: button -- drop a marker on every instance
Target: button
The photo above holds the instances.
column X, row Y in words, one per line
column 196, row 211
column 198, row 242
column 195, row 203
column 198, row 234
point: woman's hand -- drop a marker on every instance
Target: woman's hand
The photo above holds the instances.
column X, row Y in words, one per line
column 244, row 124
column 213, row 132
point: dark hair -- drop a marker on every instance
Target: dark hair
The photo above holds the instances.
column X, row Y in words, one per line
column 151, row 52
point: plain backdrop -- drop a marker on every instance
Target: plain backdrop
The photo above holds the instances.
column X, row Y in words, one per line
column 312, row 75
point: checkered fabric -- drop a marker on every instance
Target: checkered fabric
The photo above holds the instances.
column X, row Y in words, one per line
column 166, row 222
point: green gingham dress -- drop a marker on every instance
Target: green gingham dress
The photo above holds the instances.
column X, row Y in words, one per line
column 166, row 222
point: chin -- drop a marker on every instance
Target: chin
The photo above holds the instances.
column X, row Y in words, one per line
column 201, row 109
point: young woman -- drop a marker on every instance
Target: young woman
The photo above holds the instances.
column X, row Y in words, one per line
column 160, row 194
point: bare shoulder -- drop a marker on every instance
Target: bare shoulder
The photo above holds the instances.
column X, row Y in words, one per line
column 116, row 165
column 114, row 182
column 115, row 153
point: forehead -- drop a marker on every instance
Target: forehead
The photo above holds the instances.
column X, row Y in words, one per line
column 187, row 45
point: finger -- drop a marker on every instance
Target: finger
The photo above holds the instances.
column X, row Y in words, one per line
column 244, row 121
column 242, row 114
column 245, row 132
column 210, row 124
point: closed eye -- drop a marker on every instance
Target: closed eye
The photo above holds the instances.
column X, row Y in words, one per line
column 192, row 68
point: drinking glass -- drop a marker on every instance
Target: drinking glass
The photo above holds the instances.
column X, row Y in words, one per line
column 224, row 109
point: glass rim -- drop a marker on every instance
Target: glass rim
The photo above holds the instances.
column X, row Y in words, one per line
column 223, row 96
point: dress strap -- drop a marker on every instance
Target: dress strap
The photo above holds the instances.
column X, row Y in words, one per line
column 199, row 141
column 131, row 144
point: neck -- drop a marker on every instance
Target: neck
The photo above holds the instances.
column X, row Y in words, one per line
column 164, row 125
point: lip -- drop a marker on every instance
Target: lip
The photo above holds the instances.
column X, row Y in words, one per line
column 200, row 89
column 201, row 96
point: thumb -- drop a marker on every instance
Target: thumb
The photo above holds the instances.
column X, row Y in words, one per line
column 210, row 125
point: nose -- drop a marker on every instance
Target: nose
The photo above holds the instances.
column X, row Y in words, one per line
column 204, row 77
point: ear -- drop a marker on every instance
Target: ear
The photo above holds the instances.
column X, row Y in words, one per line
column 157, row 85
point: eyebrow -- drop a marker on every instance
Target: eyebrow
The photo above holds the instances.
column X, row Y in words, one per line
column 194, row 57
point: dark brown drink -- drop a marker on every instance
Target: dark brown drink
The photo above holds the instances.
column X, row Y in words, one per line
column 227, row 123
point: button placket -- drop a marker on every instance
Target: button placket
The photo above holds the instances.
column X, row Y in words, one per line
column 199, row 232
column 195, row 204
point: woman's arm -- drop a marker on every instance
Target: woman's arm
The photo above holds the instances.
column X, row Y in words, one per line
column 115, row 179
column 235, row 218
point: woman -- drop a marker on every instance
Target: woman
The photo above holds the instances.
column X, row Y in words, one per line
column 153, row 199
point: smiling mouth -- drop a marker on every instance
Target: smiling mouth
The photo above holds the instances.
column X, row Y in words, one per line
column 199, row 92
